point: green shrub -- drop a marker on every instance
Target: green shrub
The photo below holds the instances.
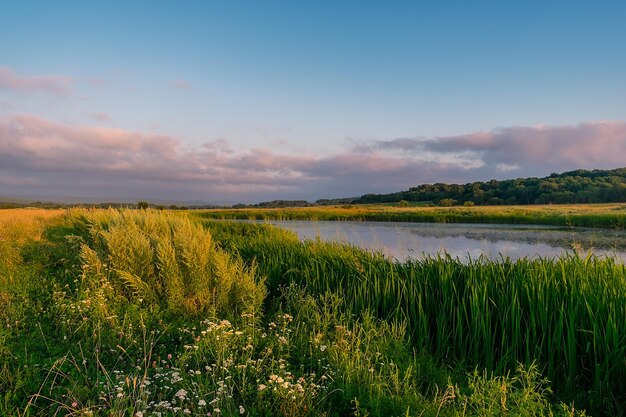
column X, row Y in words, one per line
column 447, row 202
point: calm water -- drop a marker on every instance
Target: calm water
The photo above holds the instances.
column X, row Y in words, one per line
column 416, row 240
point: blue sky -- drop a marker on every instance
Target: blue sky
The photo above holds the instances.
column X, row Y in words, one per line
column 307, row 87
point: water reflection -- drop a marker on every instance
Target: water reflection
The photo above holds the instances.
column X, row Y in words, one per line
column 416, row 240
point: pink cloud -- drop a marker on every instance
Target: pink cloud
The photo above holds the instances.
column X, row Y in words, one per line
column 66, row 159
column 587, row 145
column 52, row 84
column 74, row 156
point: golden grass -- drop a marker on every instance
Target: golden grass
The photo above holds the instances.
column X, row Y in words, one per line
column 26, row 215
column 378, row 208
column 586, row 215
column 163, row 255
column 18, row 226
column 543, row 208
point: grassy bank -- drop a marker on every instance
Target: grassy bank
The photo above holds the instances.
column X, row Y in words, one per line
column 568, row 315
column 146, row 313
column 584, row 215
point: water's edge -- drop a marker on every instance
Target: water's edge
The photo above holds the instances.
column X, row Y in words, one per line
column 405, row 240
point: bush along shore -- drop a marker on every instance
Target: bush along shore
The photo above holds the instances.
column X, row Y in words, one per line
column 148, row 313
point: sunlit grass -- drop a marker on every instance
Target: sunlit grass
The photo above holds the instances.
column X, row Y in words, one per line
column 583, row 215
column 18, row 226
column 157, row 256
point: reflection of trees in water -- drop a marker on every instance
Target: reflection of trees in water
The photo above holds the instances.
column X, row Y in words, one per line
column 578, row 238
column 403, row 239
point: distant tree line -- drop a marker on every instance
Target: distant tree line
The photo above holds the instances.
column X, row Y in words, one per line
column 573, row 187
column 141, row 205
column 580, row 186
column 276, row 204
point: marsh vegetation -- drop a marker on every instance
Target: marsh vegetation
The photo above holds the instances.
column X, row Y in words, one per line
column 141, row 312
column 611, row 216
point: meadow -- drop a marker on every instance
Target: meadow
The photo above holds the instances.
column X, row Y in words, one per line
column 156, row 313
column 579, row 215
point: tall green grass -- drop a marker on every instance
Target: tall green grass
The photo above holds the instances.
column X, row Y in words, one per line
column 568, row 315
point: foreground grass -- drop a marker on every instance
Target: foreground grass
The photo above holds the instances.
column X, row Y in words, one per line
column 568, row 315
column 582, row 215
column 119, row 313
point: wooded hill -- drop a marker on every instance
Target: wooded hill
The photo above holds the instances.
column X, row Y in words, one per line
column 579, row 186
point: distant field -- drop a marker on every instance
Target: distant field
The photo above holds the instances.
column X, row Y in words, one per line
column 581, row 215
column 26, row 214
column 17, row 225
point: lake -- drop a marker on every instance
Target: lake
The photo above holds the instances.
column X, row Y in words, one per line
column 464, row 241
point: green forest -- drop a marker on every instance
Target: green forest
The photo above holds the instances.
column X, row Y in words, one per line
column 574, row 187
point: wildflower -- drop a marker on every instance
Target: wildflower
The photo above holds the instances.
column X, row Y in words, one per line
column 186, row 411
column 138, row 414
column 217, row 410
column 181, row 393
column 201, row 403
column 262, row 387
column 74, row 404
column 169, row 356
column 241, row 409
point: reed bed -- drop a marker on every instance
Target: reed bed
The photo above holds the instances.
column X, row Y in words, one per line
column 591, row 215
column 568, row 314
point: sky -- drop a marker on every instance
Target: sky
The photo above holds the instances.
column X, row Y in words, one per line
column 242, row 101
